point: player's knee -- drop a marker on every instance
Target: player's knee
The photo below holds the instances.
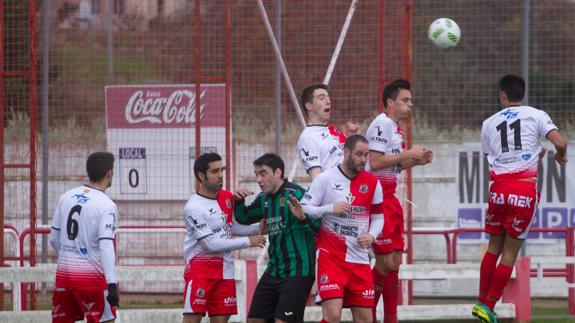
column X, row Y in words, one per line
column 332, row 315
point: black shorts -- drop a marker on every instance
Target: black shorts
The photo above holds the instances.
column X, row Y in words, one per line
column 284, row 299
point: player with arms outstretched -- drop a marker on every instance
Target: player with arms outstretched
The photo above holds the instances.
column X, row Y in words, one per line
column 510, row 139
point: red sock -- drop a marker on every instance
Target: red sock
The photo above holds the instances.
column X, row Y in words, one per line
column 323, row 321
column 500, row 280
column 488, row 265
column 378, row 280
column 390, row 294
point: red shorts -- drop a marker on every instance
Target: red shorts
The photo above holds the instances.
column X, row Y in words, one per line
column 391, row 237
column 212, row 296
column 512, row 205
column 70, row 305
column 350, row 281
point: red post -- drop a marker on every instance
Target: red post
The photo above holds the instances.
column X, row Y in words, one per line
column 570, row 252
column 251, row 281
column 518, row 291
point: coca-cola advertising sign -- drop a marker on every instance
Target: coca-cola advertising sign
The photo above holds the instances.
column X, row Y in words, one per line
column 164, row 106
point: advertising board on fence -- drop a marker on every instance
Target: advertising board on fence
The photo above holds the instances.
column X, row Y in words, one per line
column 151, row 131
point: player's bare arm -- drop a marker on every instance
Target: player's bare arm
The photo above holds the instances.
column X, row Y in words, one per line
column 379, row 161
column 313, row 172
column 560, row 146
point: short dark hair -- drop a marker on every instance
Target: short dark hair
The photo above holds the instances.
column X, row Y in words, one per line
column 391, row 91
column 98, row 164
column 271, row 160
column 202, row 164
column 513, row 86
column 307, row 95
column 353, row 140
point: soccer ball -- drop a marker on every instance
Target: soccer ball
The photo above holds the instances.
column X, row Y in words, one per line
column 444, row 33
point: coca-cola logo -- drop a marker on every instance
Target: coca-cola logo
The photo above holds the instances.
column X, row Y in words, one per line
column 152, row 107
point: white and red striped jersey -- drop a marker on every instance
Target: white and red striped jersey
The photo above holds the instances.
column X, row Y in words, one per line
column 321, row 146
column 385, row 136
column 510, row 139
column 206, row 216
column 84, row 215
column 338, row 233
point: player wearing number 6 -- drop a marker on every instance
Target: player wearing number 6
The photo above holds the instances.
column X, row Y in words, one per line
column 83, row 232
column 510, row 139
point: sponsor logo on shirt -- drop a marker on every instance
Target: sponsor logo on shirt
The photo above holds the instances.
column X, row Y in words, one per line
column 349, row 198
column 81, row 198
column 305, row 152
column 346, row 230
column 509, row 114
column 516, row 224
column 324, row 135
column 337, row 187
column 378, row 139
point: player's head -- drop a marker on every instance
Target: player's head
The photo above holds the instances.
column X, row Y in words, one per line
column 209, row 170
column 269, row 170
column 100, row 167
column 316, row 103
column 355, row 153
column 511, row 89
column 397, row 99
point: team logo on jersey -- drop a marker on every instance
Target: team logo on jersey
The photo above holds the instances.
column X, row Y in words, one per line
column 282, row 201
column 81, row 198
column 323, row 279
column 349, row 198
column 363, row 188
column 228, row 203
column 509, row 114
column 526, row 157
column 88, row 306
column 200, row 292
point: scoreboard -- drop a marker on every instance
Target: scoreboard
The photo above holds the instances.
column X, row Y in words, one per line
column 151, row 132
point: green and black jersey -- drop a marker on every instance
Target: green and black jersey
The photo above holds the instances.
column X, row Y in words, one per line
column 292, row 246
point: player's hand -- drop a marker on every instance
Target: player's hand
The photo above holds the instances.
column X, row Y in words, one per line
column 257, row 241
column 417, row 152
column 351, row 128
column 113, row 298
column 427, row 157
column 242, row 193
column 560, row 158
column 296, row 208
column 542, row 152
column 341, row 207
column 263, row 226
column 365, row 240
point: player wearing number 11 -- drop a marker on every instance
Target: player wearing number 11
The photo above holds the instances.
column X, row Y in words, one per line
column 83, row 232
column 510, row 139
